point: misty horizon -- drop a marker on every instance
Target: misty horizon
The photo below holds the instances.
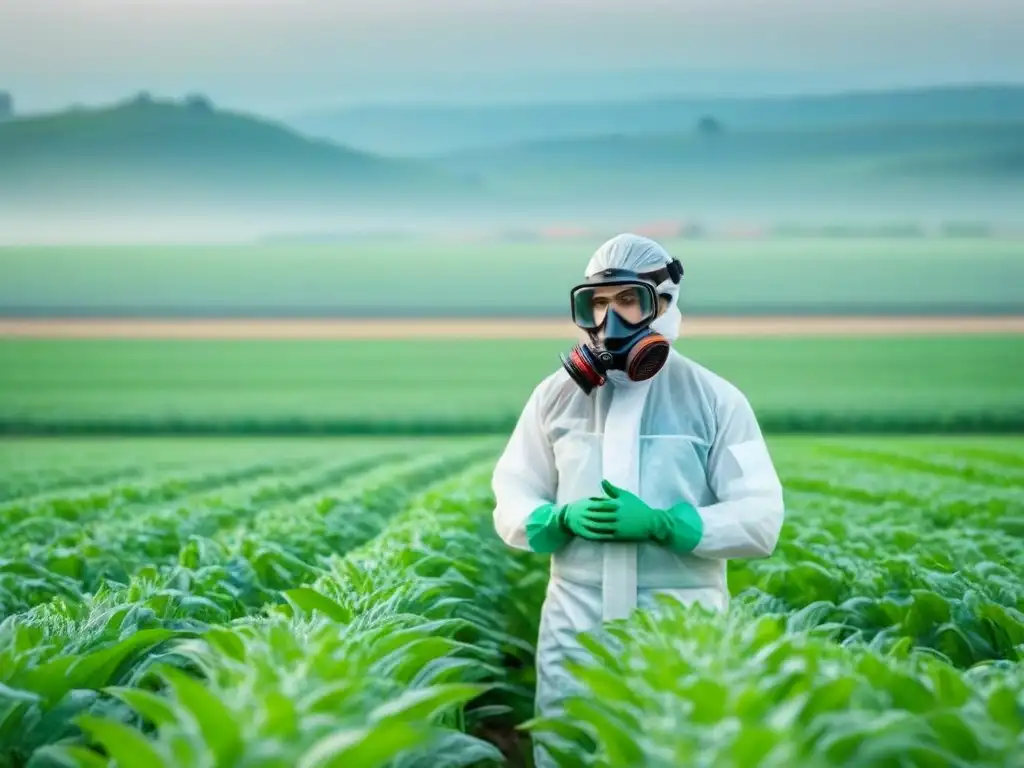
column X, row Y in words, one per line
column 287, row 59
column 598, row 95
column 547, row 110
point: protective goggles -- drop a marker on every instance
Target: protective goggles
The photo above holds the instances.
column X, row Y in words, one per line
column 632, row 295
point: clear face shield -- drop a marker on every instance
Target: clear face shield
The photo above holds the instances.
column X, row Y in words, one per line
column 635, row 304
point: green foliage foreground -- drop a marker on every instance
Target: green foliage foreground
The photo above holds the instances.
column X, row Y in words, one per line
column 328, row 603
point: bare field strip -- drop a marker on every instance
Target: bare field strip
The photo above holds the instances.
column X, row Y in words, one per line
column 488, row 328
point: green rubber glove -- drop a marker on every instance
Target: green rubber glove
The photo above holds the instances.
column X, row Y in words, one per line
column 551, row 527
column 684, row 529
column 635, row 520
column 545, row 532
column 678, row 528
column 592, row 518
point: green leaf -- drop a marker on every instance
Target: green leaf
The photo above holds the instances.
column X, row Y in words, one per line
column 125, row 745
column 567, row 753
column 953, row 642
column 598, row 649
column 217, row 723
column 436, row 671
column 11, row 717
column 911, row 694
column 70, row 756
column 456, row 750
column 308, row 601
column 955, row 734
column 620, row 741
column 99, row 668
column 57, row 722
column 831, row 696
column 810, row 616
column 424, row 704
column 564, row 728
column 149, row 705
column 364, row 747
column 329, row 697
column 752, row 745
column 950, row 688
column 50, row 681
column 604, row 683
column 279, row 716
column 1003, row 708
column 226, row 641
column 8, row 694
column 710, row 699
column 928, row 610
column 410, row 659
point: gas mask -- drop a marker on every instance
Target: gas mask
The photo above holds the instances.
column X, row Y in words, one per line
column 616, row 307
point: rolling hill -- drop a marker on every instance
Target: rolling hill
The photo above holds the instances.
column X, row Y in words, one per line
column 884, row 162
column 144, row 154
column 149, row 169
column 438, row 129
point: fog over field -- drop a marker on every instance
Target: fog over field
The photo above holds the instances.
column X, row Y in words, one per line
column 151, row 123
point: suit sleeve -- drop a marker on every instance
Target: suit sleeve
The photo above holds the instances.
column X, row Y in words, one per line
column 747, row 519
column 525, row 476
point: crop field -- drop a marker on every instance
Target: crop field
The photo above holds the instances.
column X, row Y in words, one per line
column 279, row 553
column 437, row 277
column 892, row 383
column 343, row 602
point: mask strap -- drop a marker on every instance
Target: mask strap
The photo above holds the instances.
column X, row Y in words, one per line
column 672, row 271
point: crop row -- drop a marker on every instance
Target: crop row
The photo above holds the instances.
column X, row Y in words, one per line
column 680, row 687
column 135, row 536
column 66, row 545
column 23, row 485
column 108, row 637
column 251, row 531
column 890, row 545
column 887, row 629
column 795, row 420
column 243, row 566
column 60, row 516
column 384, row 623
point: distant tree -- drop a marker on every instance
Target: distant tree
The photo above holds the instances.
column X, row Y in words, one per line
column 196, row 102
column 143, row 98
column 6, row 106
column 709, row 126
column 966, row 229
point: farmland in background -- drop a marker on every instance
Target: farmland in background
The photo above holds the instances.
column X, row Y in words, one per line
column 886, row 383
column 431, row 277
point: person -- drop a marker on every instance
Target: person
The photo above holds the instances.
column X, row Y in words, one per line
column 639, row 471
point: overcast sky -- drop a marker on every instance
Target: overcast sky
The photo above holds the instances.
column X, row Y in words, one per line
column 283, row 56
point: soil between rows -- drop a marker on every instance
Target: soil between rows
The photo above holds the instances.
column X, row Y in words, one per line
column 487, row 328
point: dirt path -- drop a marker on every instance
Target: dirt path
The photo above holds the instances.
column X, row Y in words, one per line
column 489, row 328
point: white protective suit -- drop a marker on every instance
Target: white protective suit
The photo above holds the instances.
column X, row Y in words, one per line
column 684, row 435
